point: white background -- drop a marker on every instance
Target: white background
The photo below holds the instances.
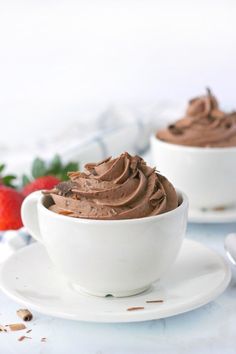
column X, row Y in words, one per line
column 61, row 61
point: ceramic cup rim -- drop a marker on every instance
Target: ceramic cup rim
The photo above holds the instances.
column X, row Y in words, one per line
column 181, row 196
column 196, row 149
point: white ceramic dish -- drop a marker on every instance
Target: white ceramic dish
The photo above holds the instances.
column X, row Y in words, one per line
column 212, row 216
column 101, row 257
column 206, row 175
column 199, row 276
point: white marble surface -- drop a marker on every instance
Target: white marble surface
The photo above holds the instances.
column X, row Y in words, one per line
column 211, row 329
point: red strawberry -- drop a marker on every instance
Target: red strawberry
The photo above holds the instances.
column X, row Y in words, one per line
column 44, row 182
column 10, row 205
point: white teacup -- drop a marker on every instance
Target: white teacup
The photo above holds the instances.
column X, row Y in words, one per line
column 206, row 175
column 101, row 257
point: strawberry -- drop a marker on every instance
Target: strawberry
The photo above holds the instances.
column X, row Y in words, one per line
column 44, row 182
column 10, row 205
column 43, row 176
column 46, row 175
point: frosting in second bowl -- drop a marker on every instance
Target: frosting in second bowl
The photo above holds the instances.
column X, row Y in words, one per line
column 204, row 125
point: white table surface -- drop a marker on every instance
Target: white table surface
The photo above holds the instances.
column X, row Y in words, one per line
column 210, row 329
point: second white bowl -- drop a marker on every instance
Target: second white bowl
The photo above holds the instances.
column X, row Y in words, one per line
column 206, row 175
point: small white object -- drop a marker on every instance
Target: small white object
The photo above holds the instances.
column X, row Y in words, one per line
column 198, row 277
column 230, row 247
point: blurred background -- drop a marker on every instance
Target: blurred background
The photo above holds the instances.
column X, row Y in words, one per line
column 66, row 65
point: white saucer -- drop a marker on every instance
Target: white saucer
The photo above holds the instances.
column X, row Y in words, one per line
column 212, row 216
column 198, row 277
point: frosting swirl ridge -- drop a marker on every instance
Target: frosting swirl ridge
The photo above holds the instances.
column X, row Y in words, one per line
column 120, row 188
column 204, row 125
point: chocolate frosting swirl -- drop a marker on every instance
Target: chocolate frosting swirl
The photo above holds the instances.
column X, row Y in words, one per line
column 204, row 125
column 120, row 188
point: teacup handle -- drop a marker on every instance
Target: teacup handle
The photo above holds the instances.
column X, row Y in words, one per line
column 29, row 214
